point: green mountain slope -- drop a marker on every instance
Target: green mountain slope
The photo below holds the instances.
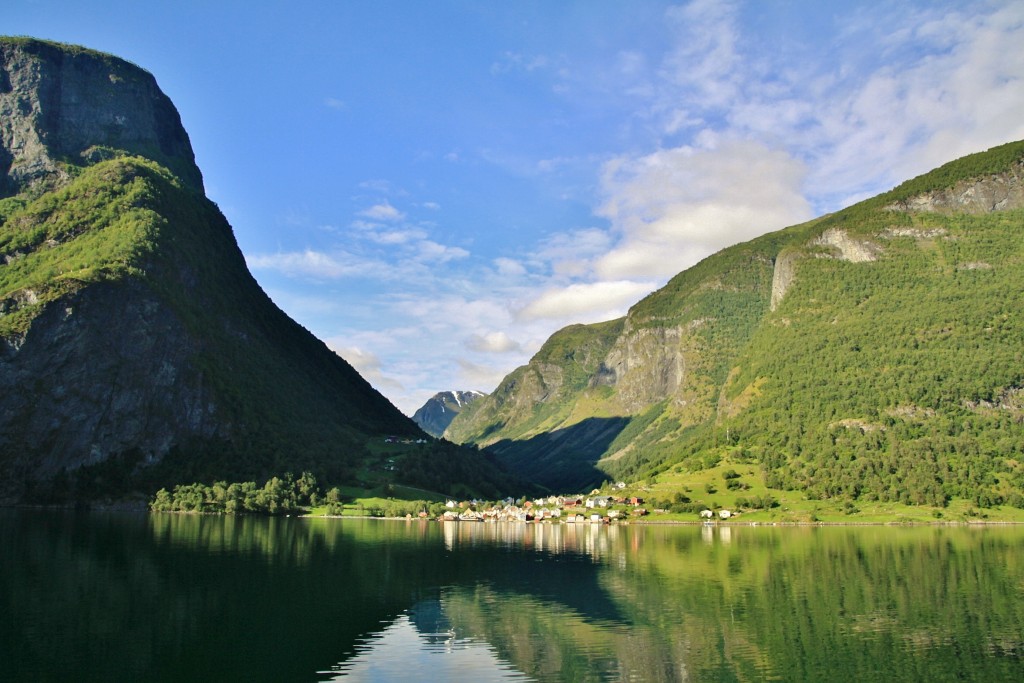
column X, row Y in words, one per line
column 136, row 350
column 875, row 353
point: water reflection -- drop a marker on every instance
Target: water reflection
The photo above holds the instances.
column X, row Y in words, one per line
column 170, row 597
column 593, row 540
column 404, row 652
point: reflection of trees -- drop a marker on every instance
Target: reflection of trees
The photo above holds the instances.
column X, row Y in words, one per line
column 816, row 604
column 740, row 603
column 168, row 597
column 280, row 539
column 551, row 642
column 172, row 597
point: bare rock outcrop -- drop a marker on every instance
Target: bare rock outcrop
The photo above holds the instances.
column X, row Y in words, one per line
column 999, row 192
column 839, row 245
column 783, row 276
column 60, row 102
column 648, row 365
column 846, row 248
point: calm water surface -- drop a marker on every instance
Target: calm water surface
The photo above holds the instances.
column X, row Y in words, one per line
column 126, row 597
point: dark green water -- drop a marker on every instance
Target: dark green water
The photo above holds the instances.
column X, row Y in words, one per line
column 132, row 597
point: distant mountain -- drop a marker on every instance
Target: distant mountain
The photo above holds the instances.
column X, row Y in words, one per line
column 437, row 413
column 876, row 353
column 136, row 350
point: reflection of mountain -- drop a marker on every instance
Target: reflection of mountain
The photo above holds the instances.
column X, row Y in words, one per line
column 550, row 642
column 171, row 598
column 168, row 597
column 430, row 621
column 736, row 603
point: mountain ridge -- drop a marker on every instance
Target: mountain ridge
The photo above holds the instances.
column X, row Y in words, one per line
column 138, row 351
column 439, row 410
column 693, row 373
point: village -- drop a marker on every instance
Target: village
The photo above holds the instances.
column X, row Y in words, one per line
column 597, row 508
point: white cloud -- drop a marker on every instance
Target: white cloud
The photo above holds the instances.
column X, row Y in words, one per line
column 451, row 313
column 509, row 267
column 395, row 236
column 964, row 97
column 701, row 71
column 570, row 254
column 899, row 91
column 476, row 375
column 383, row 212
column 516, row 61
column 492, row 342
column 440, row 253
column 589, row 302
column 377, row 185
column 312, row 263
column 904, row 92
column 673, row 207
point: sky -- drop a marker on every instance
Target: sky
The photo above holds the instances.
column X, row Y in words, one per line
column 434, row 188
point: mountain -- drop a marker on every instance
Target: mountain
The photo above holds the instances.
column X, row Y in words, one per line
column 876, row 353
column 437, row 413
column 136, row 350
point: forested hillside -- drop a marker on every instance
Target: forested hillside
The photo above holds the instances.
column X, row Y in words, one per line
column 872, row 354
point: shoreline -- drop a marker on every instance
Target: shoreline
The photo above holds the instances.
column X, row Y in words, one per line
column 136, row 508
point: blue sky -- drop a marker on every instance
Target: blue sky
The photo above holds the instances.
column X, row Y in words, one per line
column 433, row 188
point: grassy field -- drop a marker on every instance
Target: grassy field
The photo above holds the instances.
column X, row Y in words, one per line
column 791, row 507
column 795, row 506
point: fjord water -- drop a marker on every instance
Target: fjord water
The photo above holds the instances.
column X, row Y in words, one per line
column 119, row 596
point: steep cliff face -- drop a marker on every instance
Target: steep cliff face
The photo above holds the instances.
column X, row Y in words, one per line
column 535, row 397
column 108, row 370
column 589, row 390
column 61, row 103
column 136, row 350
column 805, row 348
column 648, row 365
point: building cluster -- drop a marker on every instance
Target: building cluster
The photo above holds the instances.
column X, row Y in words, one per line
column 595, row 509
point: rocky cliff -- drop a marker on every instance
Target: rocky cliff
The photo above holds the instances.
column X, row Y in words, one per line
column 136, row 350
column 62, row 104
column 1000, row 191
column 837, row 354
